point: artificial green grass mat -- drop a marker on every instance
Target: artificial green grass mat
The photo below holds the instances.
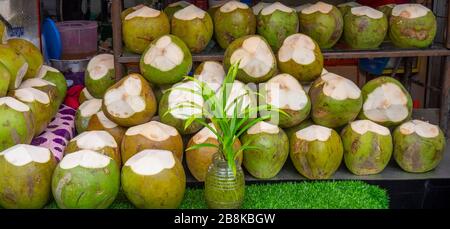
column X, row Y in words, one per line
column 293, row 195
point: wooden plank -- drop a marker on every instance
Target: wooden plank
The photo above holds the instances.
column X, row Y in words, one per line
column 116, row 9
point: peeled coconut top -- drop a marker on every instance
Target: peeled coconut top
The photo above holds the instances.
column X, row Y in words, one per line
column 276, row 6
column 21, row 154
column 263, row 127
column 317, row 7
column 301, row 7
column 144, row 11
column 410, row 11
column 386, row 103
column 100, row 65
column 324, row 71
column 232, row 5
column 125, row 100
column 255, row 55
column 105, row 120
column 299, row 48
column 258, row 7
column 367, row 11
column 150, row 162
column 31, row 94
column 339, row 88
column 285, row 92
column 14, row 104
column 421, row 128
column 86, row 93
column 190, row 12
column 35, row 82
column 90, row 107
column 363, row 126
column 241, row 93
column 85, row 158
column 44, row 69
column 212, row 74
column 351, row 4
column 204, row 134
column 179, row 96
column 95, row 140
column 179, row 3
column 313, row 133
column 153, row 130
column 164, row 54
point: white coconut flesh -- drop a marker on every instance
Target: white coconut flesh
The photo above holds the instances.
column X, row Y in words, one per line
column 351, row 4
column 165, row 55
column 366, row 11
column 363, row 126
column 31, row 94
column 285, row 92
column 95, row 140
column 263, row 127
column 204, row 134
column 145, row 12
column 14, row 104
column 324, row 71
column 299, row 48
column 212, row 74
column 104, row 121
column 423, row 129
column 258, row 7
column 386, row 103
column 339, row 88
column 313, row 133
column 90, row 107
column 21, row 154
column 301, row 7
column 180, row 3
column 86, row 94
column 100, row 65
column 125, row 100
column 239, row 94
column 182, row 98
column 190, row 13
column 232, row 6
column 151, row 162
column 410, row 11
column 20, row 74
column 36, row 82
column 276, row 6
column 43, row 71
column 153, row 130
column 85, row 158
column 255, row 55
column 318, row 7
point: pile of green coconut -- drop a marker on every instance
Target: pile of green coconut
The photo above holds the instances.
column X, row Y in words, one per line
column 132, row 135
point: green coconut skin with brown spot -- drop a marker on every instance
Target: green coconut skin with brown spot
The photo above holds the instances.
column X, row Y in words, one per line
column 97, row 88
column 233, row 25
column 266, row 162
column 13, row 62
column 31, row 54
column 111, row 152
column 412, row 33
column 325, row 29
column 117, row 132
column 416, row 154
column 15, row 127
column 5, row 76
column 25, row 187
column 363, row 32
column 58, row 79
column 330, row 112
column 277, row 26
column 160, row 191
column 316, row 159
column 196, row 33
column 86, row 188
column 366, row 154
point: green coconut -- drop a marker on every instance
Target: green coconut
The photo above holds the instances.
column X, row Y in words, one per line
column 100, row 75
column 211, row 73
column 45, row 86
column 142, row 26
column 212, row 10
column 166, row 60
column 16, row 123
column 15, row 63
column 233, row 20
column 30, row 52
column 84, row 96
column 151, row 135
column 26, row 173
column 171, row 9
column 99, row 121
column 99, row 141
column 365, row 27
column 335, row 100
column 418, row 146
column 193, row 26
column 54, row 76
column 345, row 7
column 257, row 62
column 272, row 150
column 386, row 9
column 285, row 93
column 84, row 113
column 412, row 26
column 276, row 22
column 5, row 76
column 154, row 179
column 127, row 11
column 323, row 23
column 316, row 152
column 130, row 101
column 3, row 32
column 243, row 96
column 85, row 180
column 300, row 56
column 386, row 102
column 175, row 107
column 367, row 147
